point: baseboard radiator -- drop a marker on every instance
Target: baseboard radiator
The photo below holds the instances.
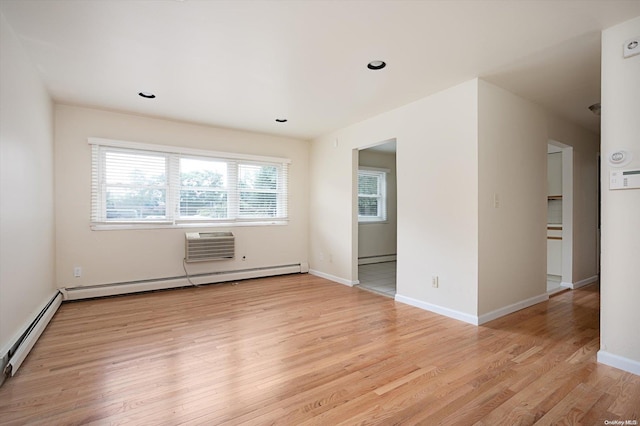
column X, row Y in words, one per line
column 114, row 289
column 21, row 348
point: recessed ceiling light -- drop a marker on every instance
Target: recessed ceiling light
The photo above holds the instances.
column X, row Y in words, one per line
column 147, row 95
column 281, row 120
column 376, row 65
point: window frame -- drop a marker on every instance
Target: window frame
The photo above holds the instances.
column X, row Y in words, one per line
column 381, row 175
column 99, row 220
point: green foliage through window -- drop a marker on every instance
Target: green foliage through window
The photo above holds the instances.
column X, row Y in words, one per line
column 371, row 195
column 132, row 185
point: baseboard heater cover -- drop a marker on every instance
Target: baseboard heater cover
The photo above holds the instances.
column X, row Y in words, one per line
column 31, row 335
column 114, row 289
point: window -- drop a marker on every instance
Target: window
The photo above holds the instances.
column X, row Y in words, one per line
column 139, row 184
column 204, row 189
column 372, row 194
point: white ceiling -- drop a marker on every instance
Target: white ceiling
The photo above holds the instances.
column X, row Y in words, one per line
column 242, row 64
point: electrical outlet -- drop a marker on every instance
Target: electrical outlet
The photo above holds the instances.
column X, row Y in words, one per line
column 496, row 201
column 435, row 281
column 77, row 272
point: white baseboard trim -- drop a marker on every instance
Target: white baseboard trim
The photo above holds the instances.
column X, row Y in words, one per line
column 333, row 278
column 472, row 319
column 584, row 282
column 28, row 335
column 377, row 259
column 566, row 284
column 557, row 290
column 619, row 362
column 451, row 313
column 114, row 289
column 514, row 307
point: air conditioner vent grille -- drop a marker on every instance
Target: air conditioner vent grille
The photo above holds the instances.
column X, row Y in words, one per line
column 206, row 246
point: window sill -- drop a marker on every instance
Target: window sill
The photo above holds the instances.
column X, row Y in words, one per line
column 373, row 222
column 140, row 226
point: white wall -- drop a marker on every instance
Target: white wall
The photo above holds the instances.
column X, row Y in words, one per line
column 620, row 273
column 375, row 238
column 26, row 190
column 512, row 243
column 116, row 256
column 437, row 216
column 456, row 150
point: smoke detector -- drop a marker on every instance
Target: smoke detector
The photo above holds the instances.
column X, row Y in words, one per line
column 631, row 47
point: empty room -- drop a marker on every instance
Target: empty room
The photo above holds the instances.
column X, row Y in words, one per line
column 319, row 212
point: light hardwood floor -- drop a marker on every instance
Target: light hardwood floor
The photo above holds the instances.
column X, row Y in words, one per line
column 299, row 350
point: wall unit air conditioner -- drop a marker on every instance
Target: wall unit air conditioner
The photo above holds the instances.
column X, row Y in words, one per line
column 206, row 246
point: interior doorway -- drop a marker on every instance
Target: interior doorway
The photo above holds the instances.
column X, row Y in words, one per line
column 559, row 217
column 376, row 212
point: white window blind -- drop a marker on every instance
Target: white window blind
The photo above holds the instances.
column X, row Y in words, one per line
column 372, row 193
column 204, row 189
column 143, row 184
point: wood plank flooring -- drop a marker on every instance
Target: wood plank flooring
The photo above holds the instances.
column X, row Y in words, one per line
column 300, row 350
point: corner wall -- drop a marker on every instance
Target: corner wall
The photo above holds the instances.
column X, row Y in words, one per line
column 26, row 191
column 437, row 218
column 512, row 201
column 455, row 150
column 620, row 276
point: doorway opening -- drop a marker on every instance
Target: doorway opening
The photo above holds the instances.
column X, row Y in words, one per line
column 559, row 217
column 376, row 259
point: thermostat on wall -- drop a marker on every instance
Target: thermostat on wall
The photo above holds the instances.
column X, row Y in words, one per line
column 624, row 179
